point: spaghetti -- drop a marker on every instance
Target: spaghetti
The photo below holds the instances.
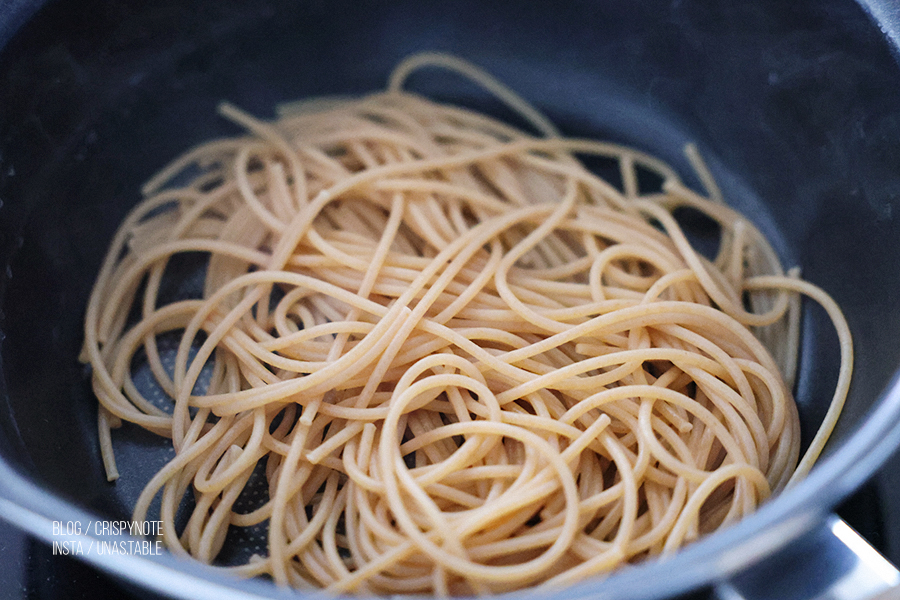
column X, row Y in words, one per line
column 465, row 362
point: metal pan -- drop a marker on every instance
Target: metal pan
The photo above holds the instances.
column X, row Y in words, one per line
column 796, row 107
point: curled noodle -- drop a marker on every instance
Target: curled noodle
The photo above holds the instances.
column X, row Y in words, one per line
column 464, row 362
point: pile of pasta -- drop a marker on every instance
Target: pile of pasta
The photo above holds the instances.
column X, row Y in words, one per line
column 466, row 363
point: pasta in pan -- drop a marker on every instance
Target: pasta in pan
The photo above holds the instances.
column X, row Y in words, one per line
column 465, row 362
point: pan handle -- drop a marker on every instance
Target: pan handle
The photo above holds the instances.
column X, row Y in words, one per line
column 830, row 562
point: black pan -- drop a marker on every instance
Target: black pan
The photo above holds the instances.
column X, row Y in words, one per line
column 795, row 105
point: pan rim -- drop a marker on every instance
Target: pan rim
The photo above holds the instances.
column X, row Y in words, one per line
column 715, row 558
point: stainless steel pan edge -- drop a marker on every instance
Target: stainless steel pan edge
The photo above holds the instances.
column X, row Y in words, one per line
column 13, row 14
column 714, row 561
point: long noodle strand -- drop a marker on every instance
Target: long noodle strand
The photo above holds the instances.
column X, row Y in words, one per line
column 461, row 362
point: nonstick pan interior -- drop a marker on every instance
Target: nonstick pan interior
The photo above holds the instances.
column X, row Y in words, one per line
column 794, row 107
